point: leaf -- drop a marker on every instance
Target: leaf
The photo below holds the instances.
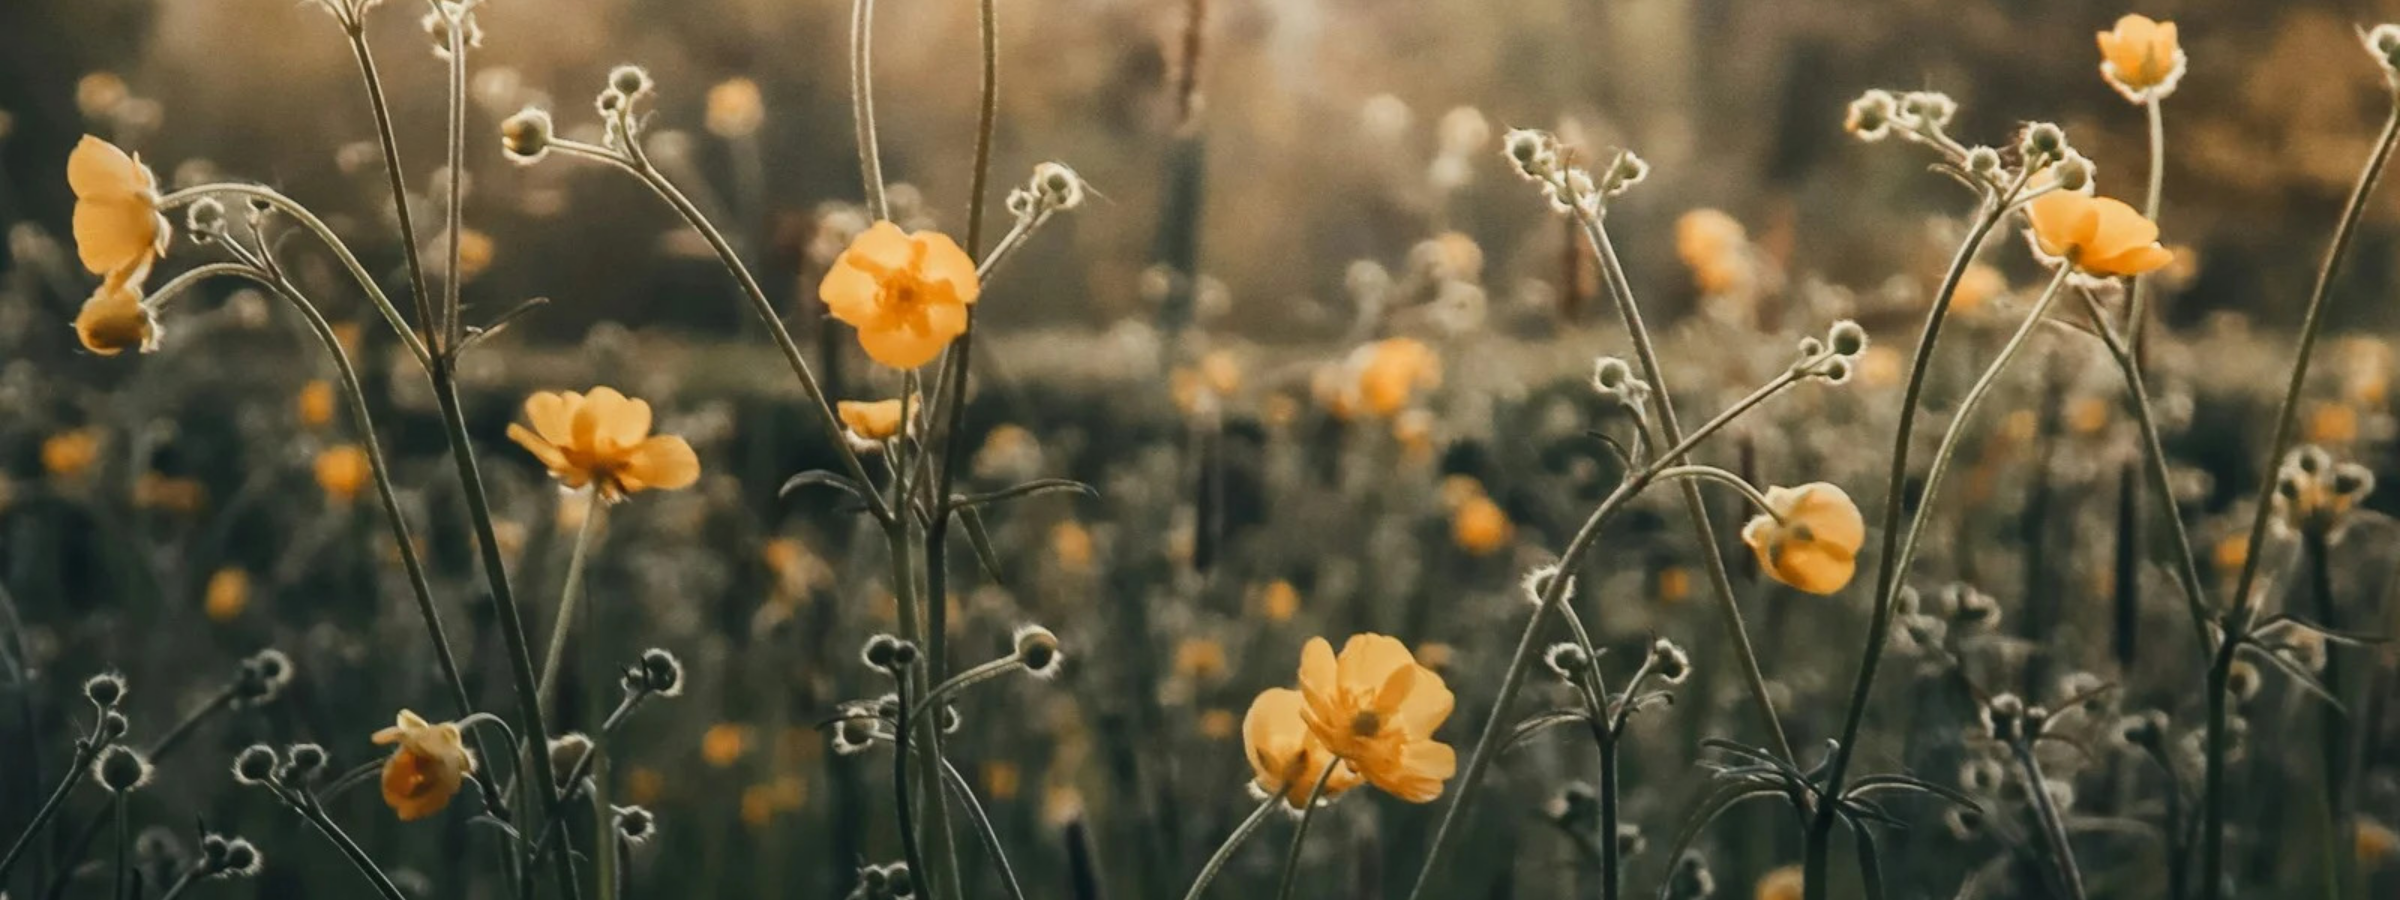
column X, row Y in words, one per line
column 2307, row 681
column 822, row 478
column 1706, row 812
column 1873, row 783
column 981, row 538
column 1028, row 489
column 1870, row 869
column 1543, row 721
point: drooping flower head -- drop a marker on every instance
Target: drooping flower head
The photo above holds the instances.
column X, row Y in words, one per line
column 907, row 294
column 1377, row 708
column 428, row 765
column 1286, row 758
column 2141, row 58
column 1810, row 539
column 114, row 320
column 2099, row 236
column 119, row 233
column 603, row 440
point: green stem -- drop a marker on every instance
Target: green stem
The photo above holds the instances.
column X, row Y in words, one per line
column 902, row 806
column 2154, row 454
column 116, row 807
column 1216, row 861
column 451, row 320
column 2335, row 735
column 2212, row 854
column 76, row 769
column 983, row 830
column 388, row 140
column 315, row 814
column 595, row 509
column 2054, row 829
column 1611, row 879
column 862, row 106
column 1308, row 814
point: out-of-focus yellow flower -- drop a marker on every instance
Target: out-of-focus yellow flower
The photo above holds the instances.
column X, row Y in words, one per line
column 475, row 252
column 644, row 785
column 1810, row 538
column 1479, row 526
column 1201, row 659
column 1002, row 779
column 1674, row 584
column 1781, row 884
column 1279, row 410
column 2097, row 235
column 758, row 805
column 873, row 421
column 1286, row 757
column 69, row 454
column 316, row 403
column 343, row 471
column 1977, row 284
column 2088, row 415
column 789, row 792
column 1435, row 655
column 603, row 439
column 906, row 294
column 1391, row 371
column 348, row 335
column 1879, row 367
column 735, row 109
column 1376, row 708
column 228, row 594
column 98, row 94
column 1279, row 601
column 2141, row 58
column 426, row 768
column 2332, row 423
column 1217, row 724
column 178, row 495
column 2232, row 552
column 1072, row 544
column 724, row 743
column 1206, row 383
column 1715, row 247
column 2376, row 843
column 1413, row 431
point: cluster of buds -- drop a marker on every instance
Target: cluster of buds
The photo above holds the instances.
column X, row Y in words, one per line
column 446, row 17
column 1923, row 117
column 228, row 857
column 656, row 672
column 1570, row 188
column 2314, row 494
column 1835, row 358
column 2147, row 730
column 2008, row 719
column 889, row 655
column 262, row 678
column 1669, row 662
column 2383, row 42
column 1613, row 378
column 619, row 104
column 891, row 882
column 1918, row 116
column 858, row 725
column 1053, row 188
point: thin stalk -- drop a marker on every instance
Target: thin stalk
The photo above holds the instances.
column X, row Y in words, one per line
column 181, row 882
column 2335, row 741
column 452, row 321
column 2286, row 424
column 573, row 592
column 1711, row 473
column 862, row 106
column 116, row 808
column 76, row 769
column 967, row 679
column 1308, row 814
column 1216, row 861
column 1966, row 414
column 315, row 814
column 983, row 830
column 2138, row 309
column 2054, row 829
column 1814, row 869
column 1610, row 877
column 2154, row 454
column 333, row 242
column 386, row 138
column 901, row 805
column 1713, row 555
column 604, row 829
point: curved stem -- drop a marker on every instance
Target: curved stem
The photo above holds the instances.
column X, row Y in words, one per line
column 1814, row 871
column 1713, row 554
column 862, row 106
column 76, row 769
column 333, row 242
column 1291, row 860
column 1966, row 414
column 387, row 140
column 2054, row 829
column 573, row 592
column 983, row 830
column 1712, row 473
column 2212, row 855
column 967, row 679
column 2154, row 452
column 181, row 882
column 1216, row 861
column 315, row 814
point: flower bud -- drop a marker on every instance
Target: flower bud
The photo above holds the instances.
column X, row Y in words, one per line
column 2074, row 173
column 255, row 764
column 1038, row 650
column 525, row 137
column 635, row 824
column 2042, row 140
column 105, row 690
column 567, row 752
column 1058, row 186
column 881, row 653
column 2004, row 718
column 1870, row 116
column 1984, row 163
column 242, row 860
column 1669, row 661
column 121, row 769
column 113, row 725
column 1567, row 660
column 630, row 80
column 662, row 673
column 1847, row 338
column 302, row 762
column 262, row 677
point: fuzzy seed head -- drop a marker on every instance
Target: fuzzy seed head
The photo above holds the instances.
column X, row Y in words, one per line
column 1038, row 650
column 255, row 764
column 105, row 690
column 121, row 769
column 662, row 673
column 525, row 137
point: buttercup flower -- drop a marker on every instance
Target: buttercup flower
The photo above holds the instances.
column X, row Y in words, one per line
column 1810, row 539
column 603, row 440
column 114, row 319
column 1286, row 758
column 1390, row 371
column 1377, row 709
column 427, row 767
column 342, row 471
column 117, row 222
column 2141, row 58
column 874, row 421
column 2097, row 235
column 907, row 294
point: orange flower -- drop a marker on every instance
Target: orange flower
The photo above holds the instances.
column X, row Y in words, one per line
column 724, row 743
column 1810, row 539
column 1781, row 884
column 603, row 439
column 342, row 471
column 2141, row 58
column 228, row 594
column 735, row 109
column 1279, row 601
column 2097, row 235
column 68, row 454
column 1377, row 709
column 119, row 233
column 316, row 403
column 1391, row 370
column 906, row 294
column 427, row 767
column 1715, row 247
column 1286, row 758
column 873, row 421
column 114, row 320
column 1479, row 526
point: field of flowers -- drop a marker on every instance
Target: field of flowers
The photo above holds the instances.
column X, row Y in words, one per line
column 1193, row 448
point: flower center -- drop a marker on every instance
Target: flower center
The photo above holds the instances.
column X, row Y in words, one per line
column 1366, row 723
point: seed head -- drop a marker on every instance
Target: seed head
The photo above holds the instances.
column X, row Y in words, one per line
column 255, row 764
column 1038, row 650
column 302, row 762
column 105, row 690
column 121, row 769
column 525, row 137
column 662, row 673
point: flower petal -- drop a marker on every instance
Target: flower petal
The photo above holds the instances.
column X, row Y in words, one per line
column 664, row 462
column 550, row 414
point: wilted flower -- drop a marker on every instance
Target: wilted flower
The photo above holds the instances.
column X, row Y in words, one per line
column 427, row 767
column 1809, row 538
column 603, row 440
column 906, row 294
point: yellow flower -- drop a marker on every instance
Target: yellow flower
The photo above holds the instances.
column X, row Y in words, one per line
column 1072, row 544
column 1199, row 387
column 734, row 109
column 644, row 785
column 2097, row 235
column 2141, row 58
column 758, row 805
column 316, row 403
column 1781, row 884
column 1715, row 247
column 475, row 251
column 228, row 594
column 1286, row 758
column 342, row 471
column 1202, row 659
column 427, row 767
column 1391, row 371
column 114, row 320
column 1377, row 709
column 1810, row 540
column 2375, row 843
column 603, row 439
column 1975, row 285
column 117, row 223
column 180, row 495
column 1279, row 601
column 723, row 744
column 906, row 294
column 1002, row 779
column 1217, row 724
column 68, row 454
column 1674, row 584
column 1479, row 526
column 871, row 420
